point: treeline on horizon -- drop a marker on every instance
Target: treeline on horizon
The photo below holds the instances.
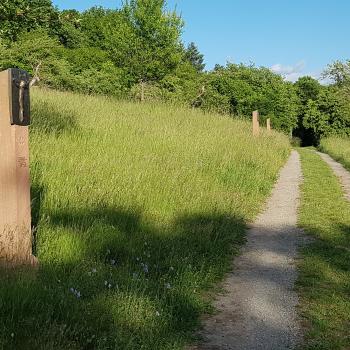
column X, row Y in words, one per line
column 137, row 52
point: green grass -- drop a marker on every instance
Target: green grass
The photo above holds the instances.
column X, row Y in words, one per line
column 324, row 280
column 338, row 148
column 139, row 208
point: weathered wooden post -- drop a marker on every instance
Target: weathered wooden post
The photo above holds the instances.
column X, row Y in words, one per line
column 15, row 212
column 256, row 127
column 268, row 125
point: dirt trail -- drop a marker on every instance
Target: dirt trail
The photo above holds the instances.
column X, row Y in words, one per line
column 340, row 172
column 258, row 310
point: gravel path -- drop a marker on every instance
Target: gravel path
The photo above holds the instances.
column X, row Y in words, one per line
column 340, row 172
column 258, row 310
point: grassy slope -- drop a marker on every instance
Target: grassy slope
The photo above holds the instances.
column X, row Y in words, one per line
column 338, row 148
column 138, row 208
column 324, row 281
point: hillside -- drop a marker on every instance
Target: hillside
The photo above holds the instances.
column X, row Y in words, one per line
column 137, row 210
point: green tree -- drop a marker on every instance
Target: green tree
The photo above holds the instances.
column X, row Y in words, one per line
column 69, row 29
column 307, row 89
column 34, row 49
column 18, row 16
column 193, row 55
column 244, row 89
column 154, row 48
column 330, row 114
column 338, row 72
column 315, row 120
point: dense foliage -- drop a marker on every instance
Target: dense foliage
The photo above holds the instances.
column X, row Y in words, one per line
column 324, row 110
column 136, row 51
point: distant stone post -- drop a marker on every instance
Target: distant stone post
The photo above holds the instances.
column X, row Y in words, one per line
column 268, row 125
column 256, row 127
column 15, row 212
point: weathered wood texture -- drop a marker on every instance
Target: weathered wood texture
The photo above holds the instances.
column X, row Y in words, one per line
column 268, row 125
column 15, row 212
column 256, row 127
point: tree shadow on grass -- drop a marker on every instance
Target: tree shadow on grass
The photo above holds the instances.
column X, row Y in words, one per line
column 324, row 283
column 334, row 250
column 56, row 121
column 37, row 192
column 129, row 284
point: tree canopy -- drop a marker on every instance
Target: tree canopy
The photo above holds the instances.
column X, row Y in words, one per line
column 137, row 51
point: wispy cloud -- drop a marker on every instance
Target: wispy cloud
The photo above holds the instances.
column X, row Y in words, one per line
column 292, row 72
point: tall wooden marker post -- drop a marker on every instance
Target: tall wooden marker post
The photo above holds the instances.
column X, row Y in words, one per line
column 15, row 212
column 268, row 125
column 256, row 126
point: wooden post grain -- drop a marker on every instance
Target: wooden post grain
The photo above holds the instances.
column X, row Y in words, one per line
column 256, row 127
column 15, row 211
column 268, row 125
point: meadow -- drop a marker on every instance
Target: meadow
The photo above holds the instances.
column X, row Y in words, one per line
column 338, row 148
column 137, row 211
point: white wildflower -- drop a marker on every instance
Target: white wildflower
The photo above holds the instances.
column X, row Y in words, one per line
column 75, row 292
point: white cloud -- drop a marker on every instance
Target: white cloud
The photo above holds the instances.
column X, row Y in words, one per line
column 292, row 72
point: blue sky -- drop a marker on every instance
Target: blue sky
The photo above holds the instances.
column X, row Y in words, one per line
column 292, row 37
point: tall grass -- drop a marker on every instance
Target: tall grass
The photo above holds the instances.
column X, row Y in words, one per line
column 137, row 211
column 324, row 278
column 338, row 148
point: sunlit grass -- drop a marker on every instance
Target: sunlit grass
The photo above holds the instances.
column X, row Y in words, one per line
column 324, row 280
column 137, row 211
column 338, row 148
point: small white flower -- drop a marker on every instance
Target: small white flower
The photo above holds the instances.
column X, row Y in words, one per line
column 113, row 262
column 94, row 270
column 12, row 335
column 75, row 292
column 109, row 285
column 167, row 286
column 157, row 313
column 171, row 268
column 106, row 283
